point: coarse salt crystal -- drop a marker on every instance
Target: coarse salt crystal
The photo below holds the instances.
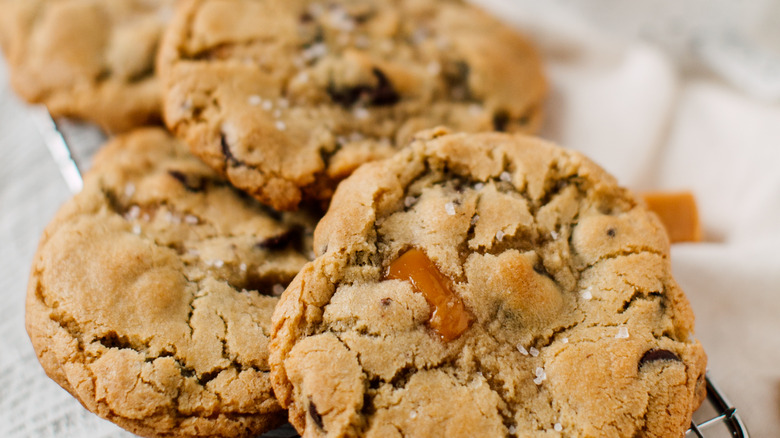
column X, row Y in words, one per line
column 218, row 263
column 522, row 350
column 409, row 201
column 512, row 429
column 450, row 208
column 134, row 212
column 280, row 125
column 413, row 414
column 534, row 352
column 361, row 113
column 586, row 294
column 268, row 105
column 474, row 219
column 558, row 427
column 622, row 333
column 565, row 340
column 478, row 186
column 539, row 371
column 554, row 235
column 505, row 176
column 538, row 380
column 255, row 100
column 499, row 235
column 136, row 229
column 315, row 51
column 129, row 189
column 277, row 289
column 242, row 267
column 191, row 219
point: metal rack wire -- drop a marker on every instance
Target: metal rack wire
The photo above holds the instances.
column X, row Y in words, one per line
column 716, row 418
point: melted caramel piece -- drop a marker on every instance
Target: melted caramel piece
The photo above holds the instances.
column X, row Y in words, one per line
column 449, row 318
column 678, row 213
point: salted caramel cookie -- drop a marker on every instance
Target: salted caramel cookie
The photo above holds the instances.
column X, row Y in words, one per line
column 151, row 293
column 287, row 98
column 486, row 285
column 90, row 59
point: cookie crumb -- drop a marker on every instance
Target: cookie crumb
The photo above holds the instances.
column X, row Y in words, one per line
column 622, row 333
column 450, row 208
column 280, row 125
column 558, row 427
column 277, row 289
column 534, row 352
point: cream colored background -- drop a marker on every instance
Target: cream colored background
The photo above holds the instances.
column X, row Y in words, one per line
column 681, row 97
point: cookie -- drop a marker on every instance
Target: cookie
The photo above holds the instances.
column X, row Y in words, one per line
column 486, row 285
column 151, row 293
column 288, row 98
column 89, row 59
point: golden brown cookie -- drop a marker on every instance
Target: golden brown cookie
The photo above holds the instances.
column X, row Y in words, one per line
column 486, row 285
column 286, row 98
column 90, row 59
column 151, row 293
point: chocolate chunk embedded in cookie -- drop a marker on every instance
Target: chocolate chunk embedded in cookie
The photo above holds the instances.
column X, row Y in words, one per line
column 90, row 59
column 151, row 293
column 287, row 98
column 486, row 285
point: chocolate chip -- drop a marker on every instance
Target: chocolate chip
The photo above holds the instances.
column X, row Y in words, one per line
column 386, row 301
column 384, row 93
column 456, row 76
column 500, row 120
column 279, row 241
column 306, row 17
column 380, row 95
column 657, row 354
column 611, row 232
column 192, row 183
column 315, row 415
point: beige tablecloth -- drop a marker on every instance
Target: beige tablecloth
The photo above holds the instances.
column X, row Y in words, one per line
column 646, row 114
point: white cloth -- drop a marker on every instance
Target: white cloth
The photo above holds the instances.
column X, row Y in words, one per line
column 638, row 107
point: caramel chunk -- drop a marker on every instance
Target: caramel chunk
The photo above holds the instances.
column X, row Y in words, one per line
column 450, row 317
column 678, row 213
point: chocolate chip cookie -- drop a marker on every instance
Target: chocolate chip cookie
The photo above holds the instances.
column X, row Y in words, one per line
column 288, row 98
column 90, row 59
column 151, row 293
column 486, row 285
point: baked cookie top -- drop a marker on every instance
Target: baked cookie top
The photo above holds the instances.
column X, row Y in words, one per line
column 486, row 285
column 151, row 293
column 90, row 59
column 288, row 97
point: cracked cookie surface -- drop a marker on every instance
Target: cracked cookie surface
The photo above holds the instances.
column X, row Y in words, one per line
column 575, row 326
column 287, row 98
column 151, row 293
column 90, row 59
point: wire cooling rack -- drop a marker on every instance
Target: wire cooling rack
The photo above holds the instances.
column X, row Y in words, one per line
column 72, row 146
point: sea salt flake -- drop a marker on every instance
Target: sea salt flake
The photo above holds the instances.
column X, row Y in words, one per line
column 554, row 235
column 479, row 186
column 539, row 372
column 505, row 176
column 538, row 380
column 277, row 289
column 622, row 333
column 413, row 414
column 586, row 294
column 361, row 113
column 450, row 208
column 499, row 235
column 133, row 212
column 558, row 427
column 534, row 352
column 191, row 219
column 255, row 100
column 522, row 350
column 409, row 201
column 280, row 125
column 565, row 340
